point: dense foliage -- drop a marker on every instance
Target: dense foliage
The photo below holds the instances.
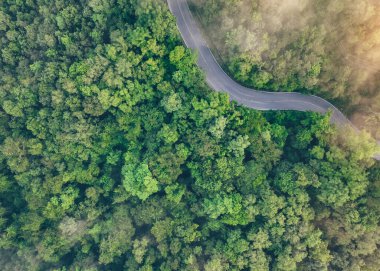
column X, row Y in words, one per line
column 328, row 48
column 115, row 155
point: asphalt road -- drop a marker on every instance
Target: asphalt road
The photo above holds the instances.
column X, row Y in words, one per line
column 256, row 99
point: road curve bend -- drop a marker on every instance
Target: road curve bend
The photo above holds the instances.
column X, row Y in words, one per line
column 256, row 99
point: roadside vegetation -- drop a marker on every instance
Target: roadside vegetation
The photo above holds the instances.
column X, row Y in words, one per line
column 115, row 155
column 327, row 48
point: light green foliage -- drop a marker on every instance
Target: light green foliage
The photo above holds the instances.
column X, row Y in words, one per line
column 138, row 180
column 218, row 128
column 177, row 55
column 12, row 109
column 168, row 134
column 215, row 264
column 171, row 103
column 57, row 206
column 115, row 235
column 175, row 192
column 139, row 249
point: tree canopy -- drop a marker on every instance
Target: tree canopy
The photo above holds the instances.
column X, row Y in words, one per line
column 115, row 155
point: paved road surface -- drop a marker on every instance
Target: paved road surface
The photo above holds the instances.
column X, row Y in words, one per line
column 220, row 81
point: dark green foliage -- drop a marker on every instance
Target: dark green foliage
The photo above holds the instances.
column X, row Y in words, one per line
column 115, row 155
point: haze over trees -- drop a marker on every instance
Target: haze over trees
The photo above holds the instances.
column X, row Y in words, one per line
column 115, row 155
column 328, row 48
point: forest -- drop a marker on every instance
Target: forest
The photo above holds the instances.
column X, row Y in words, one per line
column 116, row 155
column 326, row 48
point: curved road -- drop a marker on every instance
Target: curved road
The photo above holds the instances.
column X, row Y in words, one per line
column 220, row 81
